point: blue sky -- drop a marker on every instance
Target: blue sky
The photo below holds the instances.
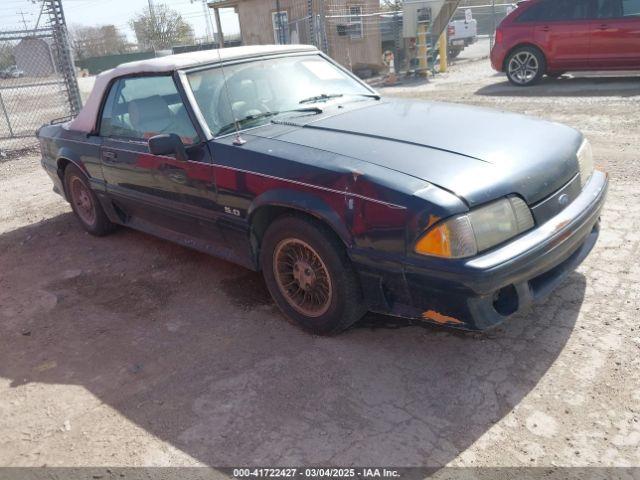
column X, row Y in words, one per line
column 103, row 12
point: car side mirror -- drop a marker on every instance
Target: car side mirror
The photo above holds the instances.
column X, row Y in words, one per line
column 168, row 144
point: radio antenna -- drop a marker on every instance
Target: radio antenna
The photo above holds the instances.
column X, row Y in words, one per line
column 238, row 140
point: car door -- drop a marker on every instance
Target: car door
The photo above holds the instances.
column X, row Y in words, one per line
column 163, row 195
column 616, row 35
column 562, row 29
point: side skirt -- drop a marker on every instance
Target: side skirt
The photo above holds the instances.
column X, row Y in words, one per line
column 122, row 218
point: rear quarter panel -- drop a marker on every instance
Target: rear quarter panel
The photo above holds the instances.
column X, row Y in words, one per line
column 59, row 145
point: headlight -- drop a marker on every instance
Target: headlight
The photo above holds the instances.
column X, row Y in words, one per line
column 479, row 230
column 585, row 161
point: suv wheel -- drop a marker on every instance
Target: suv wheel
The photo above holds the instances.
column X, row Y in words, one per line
column 525, row 66
column 454, row 52
column 84, row 203
column 310, row 277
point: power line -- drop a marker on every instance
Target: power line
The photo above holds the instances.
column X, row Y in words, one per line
column 24, row 22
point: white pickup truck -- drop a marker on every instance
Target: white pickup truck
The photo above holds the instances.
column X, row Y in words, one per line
column 462, row 33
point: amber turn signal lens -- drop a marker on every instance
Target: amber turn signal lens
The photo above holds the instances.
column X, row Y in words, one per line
column 436, row 242
column 450, row 239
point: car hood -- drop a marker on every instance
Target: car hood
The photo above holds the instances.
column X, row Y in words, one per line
column 475, row 153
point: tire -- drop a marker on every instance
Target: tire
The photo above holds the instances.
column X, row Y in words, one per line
column 85, row 204
column 310, row 277
column 525, row 66
column 454, row 52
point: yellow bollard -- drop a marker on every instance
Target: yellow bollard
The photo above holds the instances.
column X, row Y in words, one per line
column 423, row 65
column 444, row 50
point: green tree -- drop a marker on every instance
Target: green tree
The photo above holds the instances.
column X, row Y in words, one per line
column 161, row 28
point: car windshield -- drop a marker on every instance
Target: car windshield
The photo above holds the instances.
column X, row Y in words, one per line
column 259, row 90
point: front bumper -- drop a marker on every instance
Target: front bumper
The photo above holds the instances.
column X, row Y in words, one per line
column 481, row 292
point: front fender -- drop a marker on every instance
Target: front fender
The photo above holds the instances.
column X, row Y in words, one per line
column 304, row 202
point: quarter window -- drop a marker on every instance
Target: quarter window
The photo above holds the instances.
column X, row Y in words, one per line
column 141, row 107
column 631, row 8
column 609, row 8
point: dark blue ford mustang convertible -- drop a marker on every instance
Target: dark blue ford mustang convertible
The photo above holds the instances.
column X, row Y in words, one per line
column 278, row 159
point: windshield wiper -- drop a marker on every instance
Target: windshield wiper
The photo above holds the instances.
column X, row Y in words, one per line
column 231, row 126
column 326, row 96
column 369, row 95
column 321, row 97
column 280, row 112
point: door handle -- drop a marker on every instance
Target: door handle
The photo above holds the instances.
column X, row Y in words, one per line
column 109, row 157
column 603, row 26
column 545, row 28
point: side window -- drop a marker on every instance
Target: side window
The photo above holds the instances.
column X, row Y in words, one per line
column 140, row 107
column 534, row 13
column 557, row 10
column 609, row 8
column 569, row 10
column 631, row 8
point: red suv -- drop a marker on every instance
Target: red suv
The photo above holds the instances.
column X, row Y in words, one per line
column 554, row 36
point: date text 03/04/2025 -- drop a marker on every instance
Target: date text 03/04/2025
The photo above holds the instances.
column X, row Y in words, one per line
column 315, row 473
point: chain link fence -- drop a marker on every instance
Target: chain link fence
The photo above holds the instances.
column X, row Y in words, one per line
column 370, row 36
column 37, row 79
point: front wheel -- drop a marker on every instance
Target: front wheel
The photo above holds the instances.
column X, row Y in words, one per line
column 310, row 277
column 525, row 66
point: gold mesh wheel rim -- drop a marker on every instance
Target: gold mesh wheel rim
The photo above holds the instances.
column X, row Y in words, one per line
column 302, row 277
column 81, row 198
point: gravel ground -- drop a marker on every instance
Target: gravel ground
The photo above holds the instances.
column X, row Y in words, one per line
column 128, row 350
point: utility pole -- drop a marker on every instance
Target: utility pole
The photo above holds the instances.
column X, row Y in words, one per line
column 279, row 19
column 312, row 27
column 207, row 20
column 24, row 22
column 396, row 35
column 322, row 16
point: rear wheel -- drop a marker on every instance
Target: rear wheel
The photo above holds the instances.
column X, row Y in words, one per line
column 310, row 276
column 454, row 52
column 84, row 203
column 525, row 66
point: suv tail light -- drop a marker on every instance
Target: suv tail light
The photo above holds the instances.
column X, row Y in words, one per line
column 451, row 31
column 499, row 35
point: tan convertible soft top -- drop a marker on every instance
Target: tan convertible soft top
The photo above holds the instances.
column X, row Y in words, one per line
column 86, row 119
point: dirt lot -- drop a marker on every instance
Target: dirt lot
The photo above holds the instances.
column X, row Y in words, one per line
column 129, row 350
